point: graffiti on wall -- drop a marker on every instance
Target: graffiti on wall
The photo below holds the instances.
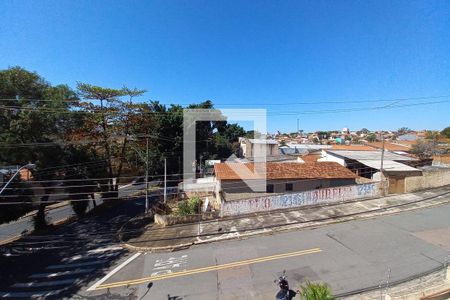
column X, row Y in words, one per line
column 326, row 195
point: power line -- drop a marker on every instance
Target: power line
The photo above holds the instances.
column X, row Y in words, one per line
column 271, row 113
column 373, row 100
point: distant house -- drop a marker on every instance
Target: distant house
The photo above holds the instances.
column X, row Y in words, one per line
column 351, row 147
column 391, row 147
column 441, row 160
column 408, row 137
column 250, row 147
column 281, row 178
column 7, row 171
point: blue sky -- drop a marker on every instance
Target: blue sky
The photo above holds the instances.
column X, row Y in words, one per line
column 264, row 54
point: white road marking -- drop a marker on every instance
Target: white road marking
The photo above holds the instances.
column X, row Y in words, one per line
column 114, row 271
column 99, row 250
column 90, row 263
column 162, row 266
column 30, row 294
column 64, row 273
column 44, row 283
column 87, row 257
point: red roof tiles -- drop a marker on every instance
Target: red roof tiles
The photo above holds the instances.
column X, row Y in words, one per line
column 389, row 146
column 307, row 170
column 352, row 147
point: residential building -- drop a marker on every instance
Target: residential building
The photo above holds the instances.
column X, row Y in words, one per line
column 351, row 147
column 368, row 164
column 248, row 147
column 441, row 160
column 393, row 147
column 281, row 178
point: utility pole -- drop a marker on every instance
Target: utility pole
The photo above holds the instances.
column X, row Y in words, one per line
column 165, row 181
column 382, row 160
column 146, row 177
column 298, row 128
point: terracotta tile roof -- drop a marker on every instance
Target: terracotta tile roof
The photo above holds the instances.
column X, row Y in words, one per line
column 311, row 157
column 307, row 170
column 352, row 147
column 389, row 146
column 406, row 143
column 444, row 158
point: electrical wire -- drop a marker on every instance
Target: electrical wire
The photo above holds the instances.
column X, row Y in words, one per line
column 275, row 113
column 374, row 100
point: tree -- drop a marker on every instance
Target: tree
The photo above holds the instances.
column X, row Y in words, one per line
column 432, row 135
column 34, row 114
column 371, row 137
column 110, row 122
column 315, row 291
column 424, row 149
column 365, row 131
column 18, row 192
column 403, row 130
column 446, row 132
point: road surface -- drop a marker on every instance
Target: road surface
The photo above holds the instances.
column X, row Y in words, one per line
column 15, row 228
column 348, row 256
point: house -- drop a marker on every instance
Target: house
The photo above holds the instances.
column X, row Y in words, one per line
column 351, row 147
column 441, row 160
column 393, row 147
column 7, row 171
column 408, row 137
column 281, row 178
column 250, row 147
column 367, row 164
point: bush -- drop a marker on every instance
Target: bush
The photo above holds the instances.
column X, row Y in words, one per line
column 189, row 207
column 315, row 291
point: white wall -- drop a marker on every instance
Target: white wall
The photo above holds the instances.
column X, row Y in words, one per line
column 328, row 157
column 320, row 196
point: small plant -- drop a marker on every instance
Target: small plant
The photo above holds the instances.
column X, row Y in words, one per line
column 315, row 291
column 189, row 207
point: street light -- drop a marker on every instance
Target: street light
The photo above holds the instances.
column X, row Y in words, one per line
column 29, row 166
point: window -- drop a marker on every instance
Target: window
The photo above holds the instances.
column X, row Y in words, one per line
column 289, row 187
column 269, row 188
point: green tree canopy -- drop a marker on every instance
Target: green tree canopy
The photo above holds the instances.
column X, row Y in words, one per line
column 446, row 132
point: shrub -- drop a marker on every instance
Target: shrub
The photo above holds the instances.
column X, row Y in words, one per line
column 315, row 291
column 189, row 207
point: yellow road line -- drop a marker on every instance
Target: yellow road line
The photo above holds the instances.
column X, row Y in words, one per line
column 207, row 269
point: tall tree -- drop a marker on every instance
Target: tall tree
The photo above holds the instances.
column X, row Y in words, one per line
column 34, row 119
column 110, row 121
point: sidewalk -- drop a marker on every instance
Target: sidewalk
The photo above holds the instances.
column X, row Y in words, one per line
column 139, row 235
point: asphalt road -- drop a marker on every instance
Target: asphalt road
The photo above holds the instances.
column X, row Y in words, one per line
column 57, row 264
column 15, row 228
column 82, row 260
column 348, row 256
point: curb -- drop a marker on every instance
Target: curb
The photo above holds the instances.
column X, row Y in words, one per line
column 287, row 227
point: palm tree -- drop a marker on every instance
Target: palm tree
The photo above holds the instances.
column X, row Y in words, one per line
column 315, row 291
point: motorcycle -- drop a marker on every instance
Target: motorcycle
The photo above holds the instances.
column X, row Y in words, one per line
column 285, row 293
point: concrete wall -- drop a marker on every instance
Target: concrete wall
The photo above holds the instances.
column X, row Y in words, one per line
column 429, row 179
column 247, row 149
column 319, row 196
